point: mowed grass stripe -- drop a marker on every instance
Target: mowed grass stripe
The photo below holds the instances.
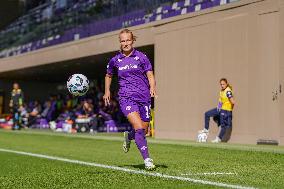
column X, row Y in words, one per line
column 154, row 174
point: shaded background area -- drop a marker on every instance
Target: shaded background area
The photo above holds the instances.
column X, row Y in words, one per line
column 39, row 82
column 10, row 10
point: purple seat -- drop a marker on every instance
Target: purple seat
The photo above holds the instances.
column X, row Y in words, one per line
column 174, row 13
column 138, row 22
column 59, row 124
column 152, row 17
column 166, row 8
column 110, row 126
column 190, row 9
column 210, row 4
column 181, row 4
column 195, row 2
column 41, row 123
column 216, row 2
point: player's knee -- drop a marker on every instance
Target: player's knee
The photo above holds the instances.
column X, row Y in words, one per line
column 140, row 131
column 207, row 114
column 138, row 126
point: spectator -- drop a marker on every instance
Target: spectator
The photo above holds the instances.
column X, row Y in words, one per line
column 34, row 114
column 16, row 102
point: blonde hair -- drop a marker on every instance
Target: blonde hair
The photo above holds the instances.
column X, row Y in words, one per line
column 127, row 31
column 226, row 81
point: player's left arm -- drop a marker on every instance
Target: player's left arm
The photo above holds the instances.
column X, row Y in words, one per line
column 152, row 83
column 231, row 98
column 233, row 102
column 147, row 68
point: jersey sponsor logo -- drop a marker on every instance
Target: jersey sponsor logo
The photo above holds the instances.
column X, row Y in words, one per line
column 128, row 108
column 136, row 58
column 127, row 67
column 119, row 60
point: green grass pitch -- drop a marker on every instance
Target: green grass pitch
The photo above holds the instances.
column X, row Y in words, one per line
column 239, row 165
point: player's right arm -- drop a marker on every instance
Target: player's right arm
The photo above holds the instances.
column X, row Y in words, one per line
column 108, row 78
column 106, row 96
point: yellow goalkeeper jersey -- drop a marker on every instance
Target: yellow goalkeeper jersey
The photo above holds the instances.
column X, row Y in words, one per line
column 224, row 98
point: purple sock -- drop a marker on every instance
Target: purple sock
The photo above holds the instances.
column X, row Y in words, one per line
column 131, row 134
column 141, row 143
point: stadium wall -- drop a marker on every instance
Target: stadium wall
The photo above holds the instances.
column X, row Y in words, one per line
column 281, row 70
column 241, row 44
column 241, row 41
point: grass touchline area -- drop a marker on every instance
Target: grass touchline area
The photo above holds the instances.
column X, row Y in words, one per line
column 254, row 166
column 118, row 137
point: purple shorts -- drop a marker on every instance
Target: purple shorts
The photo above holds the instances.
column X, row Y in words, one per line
column 128, row 106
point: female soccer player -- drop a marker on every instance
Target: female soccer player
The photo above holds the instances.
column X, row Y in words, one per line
column 223, row 112
column 136, row 87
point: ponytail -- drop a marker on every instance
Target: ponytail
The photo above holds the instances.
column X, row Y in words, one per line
column 230, row 86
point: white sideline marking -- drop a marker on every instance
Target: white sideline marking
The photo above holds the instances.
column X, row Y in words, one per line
column 155, row 174
column 213, row 173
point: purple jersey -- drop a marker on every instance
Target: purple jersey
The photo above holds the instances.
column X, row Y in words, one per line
column 132, row 78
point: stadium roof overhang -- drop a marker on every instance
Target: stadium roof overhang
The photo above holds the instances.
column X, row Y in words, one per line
column 92, row 66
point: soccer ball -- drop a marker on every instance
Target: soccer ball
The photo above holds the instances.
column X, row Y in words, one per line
column 202, row 137
column 78, row 84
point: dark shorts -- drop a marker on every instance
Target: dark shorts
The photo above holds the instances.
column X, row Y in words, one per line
column 143, row 108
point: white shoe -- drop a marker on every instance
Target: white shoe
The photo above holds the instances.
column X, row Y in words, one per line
column 126, row 143
column 203, row 131
column 92, row 131
column 216, row 140
column 149, row 165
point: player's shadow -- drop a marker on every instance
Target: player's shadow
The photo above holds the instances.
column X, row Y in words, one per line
column 142, row 166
